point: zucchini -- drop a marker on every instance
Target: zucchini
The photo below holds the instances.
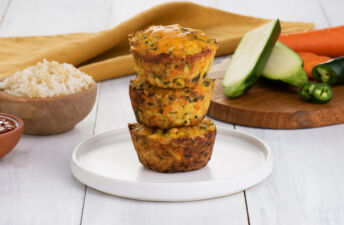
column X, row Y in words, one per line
column 285, row 65
column 250, row 58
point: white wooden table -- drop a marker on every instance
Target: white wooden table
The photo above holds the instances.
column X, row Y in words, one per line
column 36, row 185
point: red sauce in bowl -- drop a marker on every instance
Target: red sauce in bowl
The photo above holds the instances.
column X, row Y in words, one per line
column 7, row 125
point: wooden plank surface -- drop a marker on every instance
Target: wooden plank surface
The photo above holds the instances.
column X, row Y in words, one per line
column 123, row 10
column 104, row 209
column 115, row 112
column 291, row 10
column 48, row 17
column 268, row 105
column 4, row 5
column 305, row 186
column 332, row 10
column 36, row 186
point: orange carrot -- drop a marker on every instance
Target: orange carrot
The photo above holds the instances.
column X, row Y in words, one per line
column 310, row 60
column 183, row 101
column 198, row 90
column 167, row 109
column 198, row 106
column 328, row 41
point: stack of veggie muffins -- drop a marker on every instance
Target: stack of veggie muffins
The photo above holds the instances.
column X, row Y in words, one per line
column 170, row 97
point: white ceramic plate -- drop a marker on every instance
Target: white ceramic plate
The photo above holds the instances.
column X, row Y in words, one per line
column 108, row 163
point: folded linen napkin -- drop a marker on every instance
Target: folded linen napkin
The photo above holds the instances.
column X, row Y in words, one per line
column 105, row 54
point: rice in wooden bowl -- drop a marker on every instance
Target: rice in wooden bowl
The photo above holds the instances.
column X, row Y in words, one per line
column 50, row 97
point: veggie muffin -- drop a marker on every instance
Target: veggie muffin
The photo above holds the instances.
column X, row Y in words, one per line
column 166, row 108
column 172, row 56
column 176, row 149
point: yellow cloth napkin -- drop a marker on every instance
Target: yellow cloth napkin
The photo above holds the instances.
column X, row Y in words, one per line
column 106, row 54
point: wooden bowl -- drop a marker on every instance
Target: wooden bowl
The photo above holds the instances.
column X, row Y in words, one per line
column 44, row 116
column 10, row 139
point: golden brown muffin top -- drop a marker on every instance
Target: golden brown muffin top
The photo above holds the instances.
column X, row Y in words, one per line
column 173, row 40
column 199, row 130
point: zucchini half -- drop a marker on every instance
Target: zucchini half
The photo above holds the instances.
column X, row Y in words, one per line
column 249, row 58
column 285, row 65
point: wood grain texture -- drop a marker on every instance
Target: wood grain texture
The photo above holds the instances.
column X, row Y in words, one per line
column 104, row 209
column 271, row 105
column 4, row 5
column 36, row 185
column 115, row 112
column 50, row 115
column 48, row 17
column 306, row 185
column 268, row 105
column 291, row 10
column 123, row 10
column 330, row 9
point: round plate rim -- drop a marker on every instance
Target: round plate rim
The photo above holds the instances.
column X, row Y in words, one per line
column 266, row 166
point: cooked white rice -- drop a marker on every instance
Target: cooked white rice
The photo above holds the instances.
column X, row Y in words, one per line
column 46, row 79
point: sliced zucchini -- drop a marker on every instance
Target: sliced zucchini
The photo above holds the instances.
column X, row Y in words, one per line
column 250, row 58
column 285, row 65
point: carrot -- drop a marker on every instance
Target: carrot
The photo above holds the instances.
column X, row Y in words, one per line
column 310, row 60
column 198, row 106
column 198, row 90
column 183, row 101
column 328, row 41
column 167, row 109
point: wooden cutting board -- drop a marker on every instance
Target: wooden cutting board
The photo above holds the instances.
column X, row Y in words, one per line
column 271, row 105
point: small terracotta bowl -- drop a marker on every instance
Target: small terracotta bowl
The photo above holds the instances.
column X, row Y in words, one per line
column 45, row 116
column 10, row 139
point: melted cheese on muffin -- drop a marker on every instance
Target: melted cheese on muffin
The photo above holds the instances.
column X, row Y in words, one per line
column 173, row 40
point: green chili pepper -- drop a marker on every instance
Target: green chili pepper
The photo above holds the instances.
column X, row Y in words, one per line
column 331, row 72
column 306, row 91
column 322, row 93
column 316, row 93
